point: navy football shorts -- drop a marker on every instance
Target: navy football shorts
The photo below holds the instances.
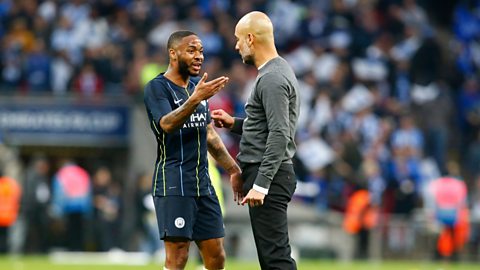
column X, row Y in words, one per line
column 194, row 218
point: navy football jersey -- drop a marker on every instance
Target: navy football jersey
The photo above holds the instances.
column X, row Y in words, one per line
column 181, row 167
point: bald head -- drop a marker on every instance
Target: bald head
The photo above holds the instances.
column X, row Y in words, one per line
column 255, row 41
column 258, row 24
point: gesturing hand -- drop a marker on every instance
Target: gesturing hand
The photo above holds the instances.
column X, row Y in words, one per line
column 222, row 119
column 204, row 90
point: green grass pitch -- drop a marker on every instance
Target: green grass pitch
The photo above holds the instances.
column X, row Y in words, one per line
column 42, row 263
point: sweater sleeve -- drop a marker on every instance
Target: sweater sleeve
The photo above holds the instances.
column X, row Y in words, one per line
column 274, row 93
column 237, row 126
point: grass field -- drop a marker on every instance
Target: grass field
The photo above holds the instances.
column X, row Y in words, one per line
column 42, row 263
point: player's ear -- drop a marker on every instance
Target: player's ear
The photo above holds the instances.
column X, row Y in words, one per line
column 172, row 54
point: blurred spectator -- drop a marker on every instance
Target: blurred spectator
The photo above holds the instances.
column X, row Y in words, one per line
column 88, row 82
column 35, row 203
column 112, row 67
column 42, row 30
column 91, row 32
column 106, row 210
column 475, row 219
column 469, row 110
column 146, row 222
column 37, row 69
column 10, row 164
column 427, row 99
column 62, row 39
column 47, row 10
column 142, row 15
column 76, row 10
column 472, row 158
column 166, row 24
column 404, row 179
column 72, row 201
column 448, row 204
column 156, row 64
column 415, row 14
column 360, row 217
column 212, row 42
column 61, row 73
column 20, row 36
column 139, row 60
column 408, row 137
column 13, row 48
column 10, row 195
column 466, row 30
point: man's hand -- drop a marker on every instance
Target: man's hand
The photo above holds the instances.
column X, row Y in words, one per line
column 205, row 90
column 221, row 119
column 237, row 183
column 253, row 198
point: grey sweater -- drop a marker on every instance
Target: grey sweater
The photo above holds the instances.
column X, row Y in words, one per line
column 268, row 131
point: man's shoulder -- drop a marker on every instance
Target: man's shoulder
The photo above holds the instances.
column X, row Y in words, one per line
column 272, row 77
column 158, row 80
column 278, row 68
column 272, row 74
column 155, row 85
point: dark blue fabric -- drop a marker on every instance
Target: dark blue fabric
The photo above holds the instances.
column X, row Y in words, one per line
column 193, row 218
column 181, row 167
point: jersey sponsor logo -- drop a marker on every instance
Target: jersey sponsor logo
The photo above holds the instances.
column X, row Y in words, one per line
column 196, row 120
column 179, row 222
column 198, row 117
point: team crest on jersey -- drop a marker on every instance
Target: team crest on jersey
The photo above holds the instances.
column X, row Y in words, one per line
column 179, row 222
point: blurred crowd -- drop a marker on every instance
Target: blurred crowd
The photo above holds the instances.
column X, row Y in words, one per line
column 390, row 97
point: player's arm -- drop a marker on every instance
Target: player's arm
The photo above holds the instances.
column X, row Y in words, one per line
column 219, row 152
column 204, row 90
column 176, row 118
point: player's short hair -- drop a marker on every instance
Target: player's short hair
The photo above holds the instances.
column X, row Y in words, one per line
column 176, row 36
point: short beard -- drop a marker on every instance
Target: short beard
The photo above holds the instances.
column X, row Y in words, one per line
column 183, row 69
column 248, row 59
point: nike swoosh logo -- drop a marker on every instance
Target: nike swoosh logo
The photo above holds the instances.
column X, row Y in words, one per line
column 177, row 101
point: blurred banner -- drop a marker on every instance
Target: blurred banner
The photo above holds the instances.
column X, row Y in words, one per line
column 65, row 124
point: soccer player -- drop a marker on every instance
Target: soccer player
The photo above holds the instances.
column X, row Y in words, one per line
column 267, row 143
column 186, row 205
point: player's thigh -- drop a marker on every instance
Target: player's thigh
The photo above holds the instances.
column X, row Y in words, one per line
column 176, row 217
column 209, row 220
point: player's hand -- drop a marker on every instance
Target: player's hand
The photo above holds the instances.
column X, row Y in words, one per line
column 237, row 183
column 205, row 90
column 254, row 198
column 221, row 119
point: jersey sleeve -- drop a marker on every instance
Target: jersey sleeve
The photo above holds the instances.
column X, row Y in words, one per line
column 157, row 101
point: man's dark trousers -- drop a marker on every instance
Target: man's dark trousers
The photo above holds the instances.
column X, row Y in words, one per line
column 269, row 221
